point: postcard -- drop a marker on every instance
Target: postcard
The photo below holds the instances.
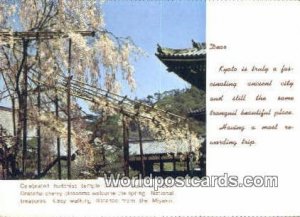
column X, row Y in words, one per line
column 149, row 108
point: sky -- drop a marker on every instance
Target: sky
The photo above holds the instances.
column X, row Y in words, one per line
column 171, row 24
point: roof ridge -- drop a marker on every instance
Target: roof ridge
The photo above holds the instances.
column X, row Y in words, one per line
column 4, row 108
column 198, row 49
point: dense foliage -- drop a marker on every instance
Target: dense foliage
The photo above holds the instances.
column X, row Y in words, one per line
column 181, row 102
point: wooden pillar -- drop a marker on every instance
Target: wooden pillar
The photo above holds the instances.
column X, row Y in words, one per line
column 148, row 166
column 24, row 106
column 38, row 131
column 174, row 162
column 161, row 164
column 141, row 150
column 69, row 113
column 102, row 119
column 126, row 146
column 13, row 103
column 58, row 139
column 188, row 163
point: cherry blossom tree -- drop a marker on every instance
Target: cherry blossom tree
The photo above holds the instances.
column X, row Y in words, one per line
column 96, row 60
column 44, row 44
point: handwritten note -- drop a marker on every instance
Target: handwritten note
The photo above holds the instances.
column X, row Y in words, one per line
column 243, row 105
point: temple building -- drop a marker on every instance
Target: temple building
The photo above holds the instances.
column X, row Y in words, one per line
column 159, row 161
column 189, row 64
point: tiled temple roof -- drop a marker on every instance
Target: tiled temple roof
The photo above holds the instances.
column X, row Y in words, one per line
column 189, row 64
column 198, row 50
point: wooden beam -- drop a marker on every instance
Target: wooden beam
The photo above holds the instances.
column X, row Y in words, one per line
column 141, row 150
column 126, row 146
column 41, row 35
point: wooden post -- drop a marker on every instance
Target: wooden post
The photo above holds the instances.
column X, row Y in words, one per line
column 174, row 161
column 58, row 139
column 24, row 95
column 69, row 112
column 13, row 103
column 126, row 146
column 38, row 131
column 141, row 150
column 191, row 163
column 161, row 164
column 188, row 163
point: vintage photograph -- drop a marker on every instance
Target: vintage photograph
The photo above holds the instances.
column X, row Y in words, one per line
column 96, row 88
